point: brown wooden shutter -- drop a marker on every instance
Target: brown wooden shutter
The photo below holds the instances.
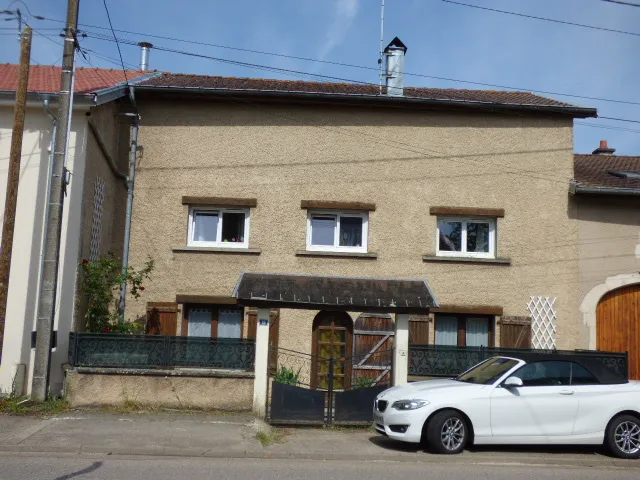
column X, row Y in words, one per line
column 274, row 336
column 515, row 332
column 418, row 332
column 252, row 323
column 162, row 318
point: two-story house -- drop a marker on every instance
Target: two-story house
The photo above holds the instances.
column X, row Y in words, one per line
column 95, row 200
column 465, row 189
column 606, row 201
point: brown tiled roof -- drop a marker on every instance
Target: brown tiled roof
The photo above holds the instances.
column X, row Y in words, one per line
column 593, row 171
column 46, row 79
column 495, row 97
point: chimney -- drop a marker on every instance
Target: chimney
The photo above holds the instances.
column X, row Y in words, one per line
column 394, row 74
column 604, row 149
column 144, row 55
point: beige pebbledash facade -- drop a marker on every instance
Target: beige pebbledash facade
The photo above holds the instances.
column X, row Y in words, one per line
column 402, row 161
column 606, row 196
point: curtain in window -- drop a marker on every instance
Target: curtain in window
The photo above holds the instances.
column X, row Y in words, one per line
column 230, row 324
column 200, row 322
column 233, row 227
column 350, row 232
column 478, row 237
column 477, row 332
column 446, row 331
column 323, row 230
column 205, row 228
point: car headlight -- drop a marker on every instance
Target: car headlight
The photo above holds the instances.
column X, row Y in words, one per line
column 409, row 404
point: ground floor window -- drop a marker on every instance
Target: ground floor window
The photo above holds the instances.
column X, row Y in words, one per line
column 213, row 321
column 464, row 330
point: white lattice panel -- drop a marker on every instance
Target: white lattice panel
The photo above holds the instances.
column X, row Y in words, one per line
column 543, row 322
column 96, row 220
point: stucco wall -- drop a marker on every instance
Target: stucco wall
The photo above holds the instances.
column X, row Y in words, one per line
column 609, row 238
column 402, row 161
column 24, row 282
column 109, row 235
column 174, row 391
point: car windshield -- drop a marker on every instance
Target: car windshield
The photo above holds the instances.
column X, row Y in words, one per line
column 488, row 372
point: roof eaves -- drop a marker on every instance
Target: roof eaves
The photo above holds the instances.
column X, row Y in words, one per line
column 81, row 100
column 579, row 112
column 576, row 188
column 109, row 94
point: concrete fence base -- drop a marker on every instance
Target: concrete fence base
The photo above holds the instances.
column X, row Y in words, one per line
column 185, row 388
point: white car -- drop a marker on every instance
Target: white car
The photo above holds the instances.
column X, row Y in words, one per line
column 533, row 399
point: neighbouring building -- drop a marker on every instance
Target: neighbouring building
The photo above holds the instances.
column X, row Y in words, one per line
column 464, row 189
column 606, row 202
column 94, row 204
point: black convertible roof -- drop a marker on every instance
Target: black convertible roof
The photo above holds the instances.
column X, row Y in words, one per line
column 608, row 368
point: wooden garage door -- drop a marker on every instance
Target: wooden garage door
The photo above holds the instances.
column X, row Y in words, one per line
column 618, row 325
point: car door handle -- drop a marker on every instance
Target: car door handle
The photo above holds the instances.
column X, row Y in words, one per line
column 566, row 392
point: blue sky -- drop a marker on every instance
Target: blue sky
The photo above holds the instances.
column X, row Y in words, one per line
column 444, row 40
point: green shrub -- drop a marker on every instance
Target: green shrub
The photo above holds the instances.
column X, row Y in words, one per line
column 287, row 376
column 101, row 280
column 364, row 382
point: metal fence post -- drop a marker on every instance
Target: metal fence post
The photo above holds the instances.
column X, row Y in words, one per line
column 166, row 354
column 330, row 392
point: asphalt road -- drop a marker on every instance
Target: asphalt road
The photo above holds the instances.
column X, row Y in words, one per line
column 66, row 467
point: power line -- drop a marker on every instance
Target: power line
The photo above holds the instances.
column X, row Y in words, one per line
column 349, row 65
column 607, row 127
column 288, row 71
column 620, row 119
column 363, row 67
column 116, row 40
column 621, row 2
column 593, row 27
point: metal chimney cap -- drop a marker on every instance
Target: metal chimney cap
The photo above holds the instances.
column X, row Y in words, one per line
column 395, row 44
column 145, row 45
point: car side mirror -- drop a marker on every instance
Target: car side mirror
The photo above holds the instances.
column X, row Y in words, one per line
column 512, row 382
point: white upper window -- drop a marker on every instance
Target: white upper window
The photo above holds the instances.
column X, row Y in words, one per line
column 337, row 231
column 219, row 227
column 466, row 237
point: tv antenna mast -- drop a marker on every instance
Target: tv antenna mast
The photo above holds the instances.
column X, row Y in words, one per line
column 381, row 44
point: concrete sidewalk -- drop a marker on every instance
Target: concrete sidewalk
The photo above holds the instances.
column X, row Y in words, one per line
column 235, row 436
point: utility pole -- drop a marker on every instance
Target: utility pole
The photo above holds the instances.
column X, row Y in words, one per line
column 49, row 280
column 13, row 177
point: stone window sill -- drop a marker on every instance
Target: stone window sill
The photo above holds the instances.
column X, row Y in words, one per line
column 490, row 261
column 312, row 253
column 236, row 251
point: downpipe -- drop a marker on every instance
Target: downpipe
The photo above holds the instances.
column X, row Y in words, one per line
column 133, row 157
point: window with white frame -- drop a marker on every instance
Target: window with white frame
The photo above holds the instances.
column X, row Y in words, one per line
column 337, row 231
column 219, row 227
column 466, row 237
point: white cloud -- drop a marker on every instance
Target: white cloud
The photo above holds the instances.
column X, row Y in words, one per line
column 344, row 14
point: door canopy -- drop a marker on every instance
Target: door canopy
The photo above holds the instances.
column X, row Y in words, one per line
column 316, row 292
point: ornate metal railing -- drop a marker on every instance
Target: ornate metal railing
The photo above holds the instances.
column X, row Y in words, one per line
column 447, row 361
column 156, row 351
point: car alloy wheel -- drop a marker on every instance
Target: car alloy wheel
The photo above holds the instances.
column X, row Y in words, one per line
column 452, row 434
column 623, row 436
column 627, row 437
column 446, row 432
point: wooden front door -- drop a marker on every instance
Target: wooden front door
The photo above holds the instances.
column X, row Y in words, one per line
column 618, row 325
column 332, row 338
column 372, row 350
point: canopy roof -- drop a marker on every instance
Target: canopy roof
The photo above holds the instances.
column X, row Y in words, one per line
column 318, row 292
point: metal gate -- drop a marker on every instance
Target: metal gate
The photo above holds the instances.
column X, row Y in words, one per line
column 344, row 397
